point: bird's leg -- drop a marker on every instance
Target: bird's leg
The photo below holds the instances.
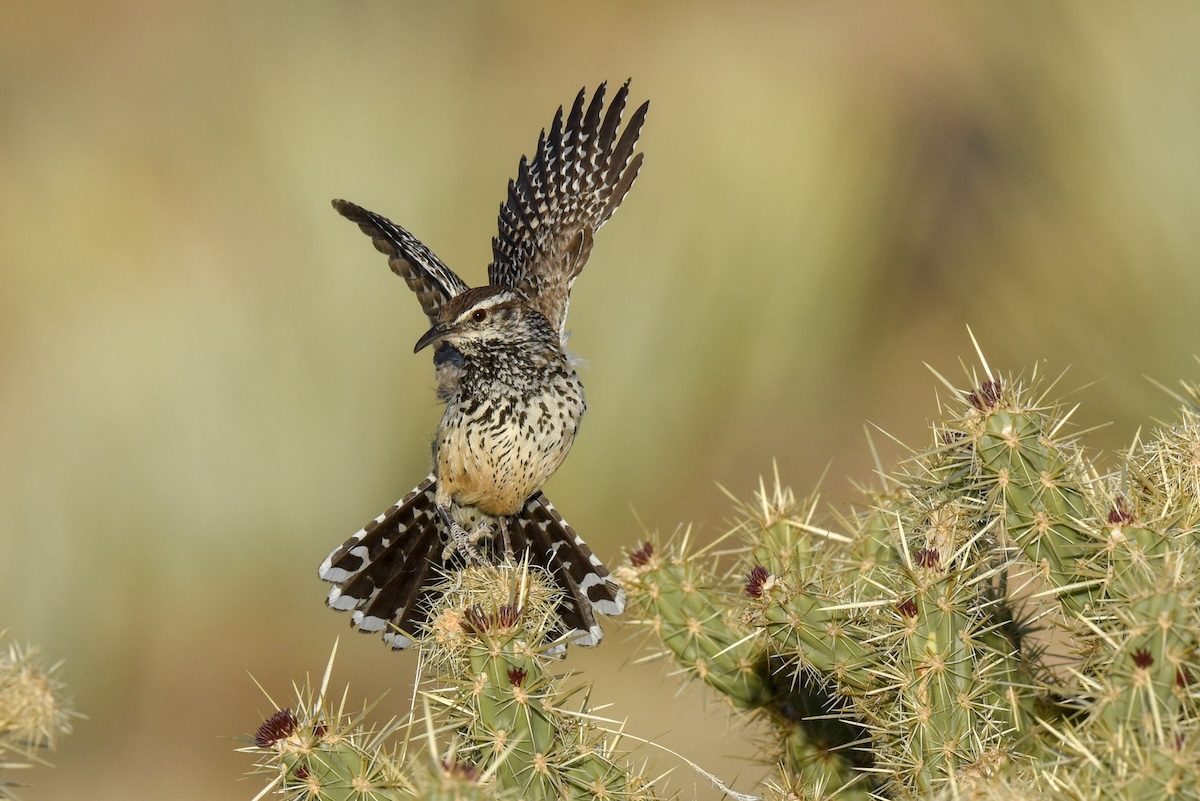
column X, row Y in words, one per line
column 460, row 540
column 509, row 556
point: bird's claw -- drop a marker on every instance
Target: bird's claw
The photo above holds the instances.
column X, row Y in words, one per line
column 462, row 541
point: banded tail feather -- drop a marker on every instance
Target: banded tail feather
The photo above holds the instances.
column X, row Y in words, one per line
column 553, row 545
column 378, row 573
column 386, row 572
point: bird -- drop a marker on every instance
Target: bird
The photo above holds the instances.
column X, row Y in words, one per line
column 513, row 399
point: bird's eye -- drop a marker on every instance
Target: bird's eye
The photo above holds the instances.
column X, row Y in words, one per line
column 479, row 315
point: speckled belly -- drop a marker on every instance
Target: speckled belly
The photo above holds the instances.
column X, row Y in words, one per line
column 493, row 456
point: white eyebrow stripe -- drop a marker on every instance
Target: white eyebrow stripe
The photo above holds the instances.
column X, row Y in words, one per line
column 486, row 303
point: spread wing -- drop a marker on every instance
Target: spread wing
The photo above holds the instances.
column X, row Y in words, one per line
column 577, row 179
column 426, row 275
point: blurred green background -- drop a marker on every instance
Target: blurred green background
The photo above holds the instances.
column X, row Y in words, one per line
column 207, row 379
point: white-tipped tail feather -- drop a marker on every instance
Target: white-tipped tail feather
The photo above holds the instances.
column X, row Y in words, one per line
column 386, row 573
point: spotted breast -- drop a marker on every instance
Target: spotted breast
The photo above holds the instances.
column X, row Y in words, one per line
column 498, row 444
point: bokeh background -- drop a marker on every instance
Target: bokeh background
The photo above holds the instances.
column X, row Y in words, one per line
column 206, row 377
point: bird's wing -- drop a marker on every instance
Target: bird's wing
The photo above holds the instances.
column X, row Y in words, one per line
column 576, row 180
column 426, row 275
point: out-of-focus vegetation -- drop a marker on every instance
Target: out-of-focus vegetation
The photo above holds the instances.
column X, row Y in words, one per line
column 34, row 712
column 207, row 379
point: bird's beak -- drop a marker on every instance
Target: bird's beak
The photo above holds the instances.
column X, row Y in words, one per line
column 432, row 335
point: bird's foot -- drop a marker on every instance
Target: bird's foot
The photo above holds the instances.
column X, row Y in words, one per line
column 482, row 531
column 461, row 540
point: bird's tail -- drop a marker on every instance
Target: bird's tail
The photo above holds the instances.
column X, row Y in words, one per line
column 540, row 531
column 387, row 572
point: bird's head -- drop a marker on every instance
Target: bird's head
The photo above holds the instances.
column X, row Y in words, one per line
column 480, row 319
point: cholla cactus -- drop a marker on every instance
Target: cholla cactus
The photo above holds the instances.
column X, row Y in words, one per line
column 1000, row 620
column 513, row 733
column 315, row 750
column 34, row 710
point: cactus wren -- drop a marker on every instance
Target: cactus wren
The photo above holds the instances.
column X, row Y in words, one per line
column 513, row 399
